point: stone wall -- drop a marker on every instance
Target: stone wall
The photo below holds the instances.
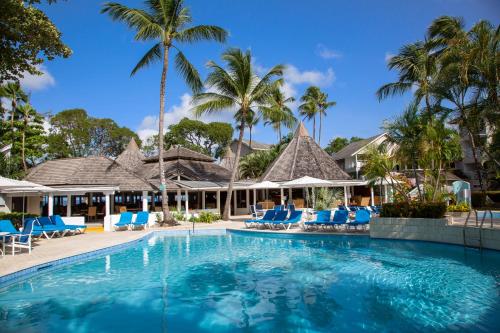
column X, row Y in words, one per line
column 434, row 230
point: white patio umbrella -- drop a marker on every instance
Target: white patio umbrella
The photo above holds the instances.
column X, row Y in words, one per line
column 306, row 182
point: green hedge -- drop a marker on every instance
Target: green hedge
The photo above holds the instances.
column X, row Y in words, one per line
column 433, row 210
column 16, row 218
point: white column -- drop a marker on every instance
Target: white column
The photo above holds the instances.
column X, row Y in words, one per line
column 247, row 198
column 203, row 200
column 68, row 210
column 282, row 195
column 107, row 210
column 345, row 196
column 108, row 224
column 372, row 194
column 51, row 204
column 254, row 197
column 186, row 203
column 179, row 201
column 144, row 201
column 218, row 202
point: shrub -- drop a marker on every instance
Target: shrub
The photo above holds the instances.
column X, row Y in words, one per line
column 178, row 216
column 414, row 209
column 16, row 218
column 461, row 207
column 208, row 217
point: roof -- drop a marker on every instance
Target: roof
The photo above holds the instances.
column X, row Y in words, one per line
column 93, row 170
column 256, row 145
column 131, row 157
column 303, row 157
column 183, row 153
column 352, row 148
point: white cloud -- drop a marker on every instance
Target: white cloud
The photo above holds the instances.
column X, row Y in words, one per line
column 388, row 56
column 149, row 125
column 38, row 82
column 294, row 76
column 327, row 53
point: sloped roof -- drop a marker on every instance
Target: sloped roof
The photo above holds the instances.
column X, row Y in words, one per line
column 93, row 170
column 303, row 157
column 354, row 147
column 131, row 157
column 256, row 145
column 182, row 153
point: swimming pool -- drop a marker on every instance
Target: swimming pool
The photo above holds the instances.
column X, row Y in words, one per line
column 257, row 282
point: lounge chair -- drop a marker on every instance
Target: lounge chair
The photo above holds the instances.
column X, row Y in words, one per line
column 7, row 226
column 340, row 218
column 268, row 216
column 125, row 221
column 294, row 218
column 75, row 228
column 23, row 239
column 141, row 221
column 255, row 213
column 322, row 218
column 48, row 228
column 279, row 207
column 362, row 219
column 279, row 218
column 291, row 207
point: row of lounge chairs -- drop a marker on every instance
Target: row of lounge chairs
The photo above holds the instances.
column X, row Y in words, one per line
column 35, row 227
column 340, row 219
column 126, row 221
column 276, row 218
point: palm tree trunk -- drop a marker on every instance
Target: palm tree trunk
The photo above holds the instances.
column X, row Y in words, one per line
column 314, row 127
column 438, row 179
column 23, row 145
column 319, row 133
column 227, row 207
column 250, row 129
column 417, row 182
column 163, row 185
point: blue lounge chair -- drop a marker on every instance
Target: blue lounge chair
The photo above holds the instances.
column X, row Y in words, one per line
column 294, row 218
column 291, row 207
column 279, row 207
column 279, row 218
column 23, row 239
column 362, row 219
column 268, row 216
column 47, row 228
column 141, row 220
column 255, row 213
column 75, row 228
column 322, row 218
column 7, row 226
column 125, row 221
column 340, row 217
column 375, row 209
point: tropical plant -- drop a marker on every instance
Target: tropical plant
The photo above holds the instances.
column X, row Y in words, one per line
column 240, row 90
column 166, row 22
column 252, row 120
column 338, row 143
column 326, row 198
column 277, row 113
column 15, row 93
column 315, row 102
column 28, row 115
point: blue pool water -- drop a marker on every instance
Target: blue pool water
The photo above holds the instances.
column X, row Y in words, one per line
column 261, row 283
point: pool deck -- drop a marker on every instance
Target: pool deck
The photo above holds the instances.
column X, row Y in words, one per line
column 47, row 250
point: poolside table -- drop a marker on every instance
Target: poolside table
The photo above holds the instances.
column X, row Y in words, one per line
column 3, row 234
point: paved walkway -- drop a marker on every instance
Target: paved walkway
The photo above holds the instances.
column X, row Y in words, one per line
column 46, row 250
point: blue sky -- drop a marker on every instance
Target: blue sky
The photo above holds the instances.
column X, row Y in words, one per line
column 342, row 46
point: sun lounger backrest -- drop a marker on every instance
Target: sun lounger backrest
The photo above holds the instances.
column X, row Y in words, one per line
column 44, row 220
column 252, row 209
column 295, row 216
column 57, row 220
column 323, row 216
column 269, row 215
column 281, row 215
column 125, row 217
column 291, row 207
column 258, row 206
column 362, row 216
column 142, row 217
column 7, row 226
column 340, row 216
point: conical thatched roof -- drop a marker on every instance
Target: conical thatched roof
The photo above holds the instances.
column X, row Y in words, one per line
column 181, row 153
column 304, row 157
column 131, row 157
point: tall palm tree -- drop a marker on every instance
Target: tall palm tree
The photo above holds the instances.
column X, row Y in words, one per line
column 417, row 68
column 15, row 93
column 323, row 106
column 27, row 113
column 167, row 23
column 277, row 113
column 238, row 89
column 252, row 120
column 309, row 108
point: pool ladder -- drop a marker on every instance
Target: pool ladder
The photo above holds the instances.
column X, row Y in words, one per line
column 478, row 228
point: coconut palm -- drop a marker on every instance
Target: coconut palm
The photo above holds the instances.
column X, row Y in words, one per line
column 27, row 113
column 167, row 23
column 323, row 106
column 237, row 89
column 251, row 121
column 15, row 93
column 277, row 113
column 309, row 109
column 417, row 69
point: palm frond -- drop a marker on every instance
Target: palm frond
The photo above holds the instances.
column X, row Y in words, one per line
column 187, row 70
column 392, row 89
column 153, row 54
column 202, row 32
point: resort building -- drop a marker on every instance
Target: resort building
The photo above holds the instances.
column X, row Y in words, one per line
column 246, row 148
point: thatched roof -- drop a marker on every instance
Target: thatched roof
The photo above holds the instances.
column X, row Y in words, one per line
column 131, row 157
column 303, row 157
column 94, row 170
column 181, row 153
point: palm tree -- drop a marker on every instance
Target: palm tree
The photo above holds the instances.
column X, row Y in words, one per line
column 323, row 106
column 15, row 93
column 417, row 68
column 165, row 22
column 309, row 109
column 27, row 112
column 237, row 89
column 277, row 113
column 251, row 121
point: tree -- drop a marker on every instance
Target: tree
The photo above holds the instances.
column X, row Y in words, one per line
column 15, row 93
column 335, row 145
column 207, row 138
column 239, row 89
column 165, row 22
column 27, row 36
column 251, row 121
column 277, row 113
column 309, row 109
column 32, row 134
